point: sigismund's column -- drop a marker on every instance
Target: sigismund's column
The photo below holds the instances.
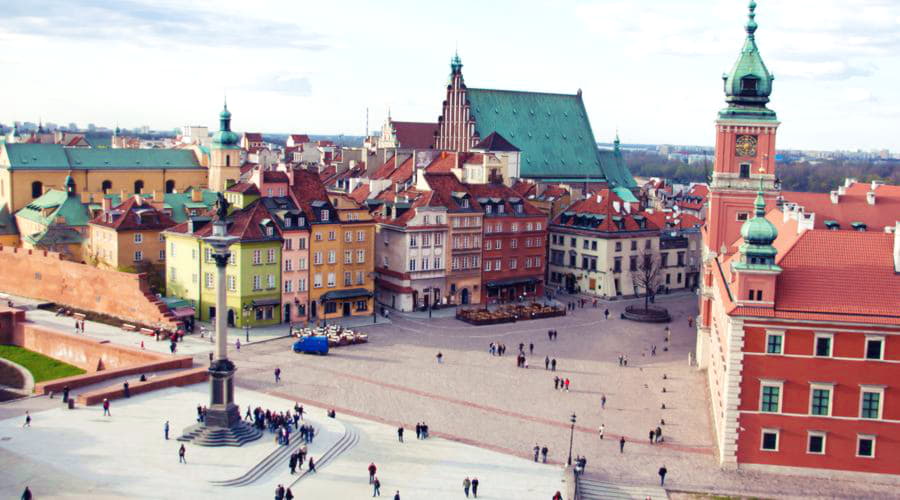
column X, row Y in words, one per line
column 223, row 425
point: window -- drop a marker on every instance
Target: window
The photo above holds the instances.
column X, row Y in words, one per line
column 331, row 280
column 331, row 235
column 106, row 186
column 257, row 257
column 497, row 265
column 815, row 443
column 413, row 241
column 528, row 263
column 270, row 281
column 257, row 282
column 172, row 273
column 318, row 236
column 529, row 226
column 769, row 440
column 770, row 396
column 172, row 251
column 360, row 236
column 162, row 255
column 748, row 85
column 499, row 244
column 633, row 245
column 618, row 246
column 513, row 264
column 412, row 264
column 138, row 238
column 332, row 257
column 360, row 256
column 617, row 265
column 487, row 265
column 348, row 278
column 330, row 307
column 317, row 280
column 820, row 400
column 138, row 186
column 513, row 228
column 194, row 278
column 865, row 446
column 360, row 278
column 647, row 244
column 362, row 305
column 138, row 256
column 774, row 342
column 208, row 279
column 232, row 259
column 823, row 345
column 348, row 237
column 632, row 264
column 288, row 243
column 301, row 285
column 874, row 348
column 288, row 286
column 231, row 282
column 271, row 256
column 324, row 215
column 744, row 171
column 742, row 216
column 438, row 239
column 488, row 244
column 437, row 263
column 539, row 226
column 301, row 244
column 348, row 257
column 870, row 405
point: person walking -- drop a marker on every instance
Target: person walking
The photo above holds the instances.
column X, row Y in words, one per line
column 27, row 419
column 288, row 495
column 662, row 475
column 237, row 344
column 606, row 314
column 397, row 495
column 440, row 357
column 622, row 444
column 312, row 465
column 400, row 434
column 106, row 412
column 602, row 428
column 652, row 436
column 546, row 362
column 537, row 451
column 376, row 488
column 466, row 484
column 475, row 487
column 279, row 492
column 26, row 495
column 531, row 348
column 277, row 374
column 166, row 430
column 181, row 453
column 555, row 383
column 567, row 385
column 292, row 463
column 553, row 365
column 603, row 402
column 557, row 496
column 549, row 334
column 372, row 470
column 544, row 452
column 658, row 434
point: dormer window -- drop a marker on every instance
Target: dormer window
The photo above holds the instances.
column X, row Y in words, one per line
column 749, row 85
column 488, row 209
column 464, row 203
column 270, row 231
column 287, row 222
column 501, row 209
column 301, row 221
column 519, row 208
column 324, row 215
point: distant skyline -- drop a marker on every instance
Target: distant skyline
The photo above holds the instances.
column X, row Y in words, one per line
column 649, row 68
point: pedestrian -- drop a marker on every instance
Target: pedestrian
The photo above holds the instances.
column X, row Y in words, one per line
column 475, row 487
column 372, row 470
column 537, row 451
column 288, row 495
column 659, row 434
column 397, row 495
column 279, row 492
column 602, row 428
column 690, row 322
column 312, row 465
column 622, row 444
column 557, row 496
column 27, row 419
column 555, row 383
column 620, row 360
column 166, row 430
column 544, row 452
column 237, row 344
column 440, row 357
column 652, row 436
column 106, row 412
column 662, row 475
column 531, row 348
column 553, row 365
column 466, row 484
column 277, row 375
column 603, row 402
column 66, row 394
column 546, row 362
column 418, row 431
column 625, row 361
column 668, row 334
column 400, row 433
column 76, row 326
column 567, row 385
column 26, row 495
column 376, row 488
column 126, row 390
column 181, row 452
column 292, row 463
column 549, row 334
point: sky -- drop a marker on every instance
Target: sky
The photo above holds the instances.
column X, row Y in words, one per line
column 650, row 69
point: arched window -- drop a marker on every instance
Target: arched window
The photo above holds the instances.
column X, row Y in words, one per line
column 106, row 186
column 170, row 186
column 37, row 189
column 138, row 186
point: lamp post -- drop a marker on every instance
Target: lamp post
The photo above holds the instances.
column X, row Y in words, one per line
column 571, row 437
column 248, row 308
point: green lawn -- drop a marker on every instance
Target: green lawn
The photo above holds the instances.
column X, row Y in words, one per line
column 41, row 367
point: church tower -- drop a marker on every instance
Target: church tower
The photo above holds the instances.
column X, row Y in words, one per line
column 224, row 154
column 456, row 126
column 745, row 147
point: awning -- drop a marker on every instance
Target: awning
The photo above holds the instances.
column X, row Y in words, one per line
column 511, row 282
column 347, row 294
column 183, row 312
column 267, row 302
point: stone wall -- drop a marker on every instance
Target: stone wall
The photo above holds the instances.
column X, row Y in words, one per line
column 46, row 276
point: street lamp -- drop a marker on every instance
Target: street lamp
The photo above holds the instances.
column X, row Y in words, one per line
column 247, row 309
column 571, row 437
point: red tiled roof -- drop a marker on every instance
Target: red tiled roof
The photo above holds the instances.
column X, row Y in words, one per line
column 253, row 136
column 689, row 205
column 403, row 173
column 299, row 138
column 524, row 188
column 244, row 187
column 606, row 207
column 443, row 163
column 127, row 217
column 669, row 220
column 383, row 171
column 852, row 206
column 443, row 186
column 699, row 190
column 244, row 224
column 275, row 176
column 361, row 193
column 246, row 167
column 555, row 191
column 505, row 193
column 308, row 188
column 415, row 135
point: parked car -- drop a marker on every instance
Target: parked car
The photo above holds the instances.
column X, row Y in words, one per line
column 312, row 344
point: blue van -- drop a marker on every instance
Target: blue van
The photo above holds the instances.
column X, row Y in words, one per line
column 315, row 344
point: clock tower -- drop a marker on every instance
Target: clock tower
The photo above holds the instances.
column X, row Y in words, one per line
column 745, row 147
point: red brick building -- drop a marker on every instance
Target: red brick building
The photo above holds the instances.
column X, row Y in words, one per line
column 799, row 327
column 514, row 244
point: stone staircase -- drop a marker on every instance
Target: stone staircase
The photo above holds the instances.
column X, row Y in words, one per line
column 221, row 436
column 349, row 440
column 590, row 489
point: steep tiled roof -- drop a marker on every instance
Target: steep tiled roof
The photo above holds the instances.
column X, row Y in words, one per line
column 56, row 157
column 495, row 142
column 504, row 193
column 244, row 188
column 274, row 176
column 130, row 216
column 245, row 224
column 253, row 136
column 852, row 206
column 403, row 173
column 444, row 186
column 310, row 194
column 300, row 138
column 669, row 220
column 415, row 135
column 361, row 192
column 524, row 188
column 551, row 130
column 383, row 171
column 604, row 216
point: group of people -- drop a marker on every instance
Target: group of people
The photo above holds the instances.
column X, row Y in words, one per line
column 542, row 452
column 497, row 349
column 421, row 430
column 470, row 483
column 79, row 325
column 282, row 493
column 623, row 360
column 552, row 334
column 561, row 384
column 549, row 364
column 297, row 458
column 656, row 435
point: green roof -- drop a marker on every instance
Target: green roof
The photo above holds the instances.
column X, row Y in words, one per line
column 54, row 236
column 56, row 157
column 551, row 130
column 59, row 204
column 749, row 84
column 625, row 194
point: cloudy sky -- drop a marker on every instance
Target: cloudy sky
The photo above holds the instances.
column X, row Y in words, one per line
column 651, row 68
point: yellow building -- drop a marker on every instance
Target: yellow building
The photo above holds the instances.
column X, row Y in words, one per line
column 129, row 237
column 224, row 154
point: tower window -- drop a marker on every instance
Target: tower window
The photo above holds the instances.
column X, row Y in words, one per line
column 106, row 186
column 227, row 160
column 138, row 186
column 170, row 186
column 37, row 189
column 745, row 171
column 749, row 85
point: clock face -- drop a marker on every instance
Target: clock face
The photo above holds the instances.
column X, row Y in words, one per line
column 746, row 145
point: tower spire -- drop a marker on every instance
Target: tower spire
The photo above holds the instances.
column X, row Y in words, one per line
column 751, row 20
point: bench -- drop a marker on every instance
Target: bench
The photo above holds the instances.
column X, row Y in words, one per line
column 129, row 328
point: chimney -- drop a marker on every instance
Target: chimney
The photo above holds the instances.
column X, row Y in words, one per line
column 835, row 197
column 870, row 197
column 196, row 195
column 106, row 203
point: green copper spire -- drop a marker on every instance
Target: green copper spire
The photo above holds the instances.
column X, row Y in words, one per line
column 749, row 84
column 616, row 143
column 757, row 252
column 225, row 138
column 456, row 64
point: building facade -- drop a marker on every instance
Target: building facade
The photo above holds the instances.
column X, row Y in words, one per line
column 129, row 237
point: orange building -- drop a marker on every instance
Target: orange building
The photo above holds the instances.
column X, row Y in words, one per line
column 128, row 237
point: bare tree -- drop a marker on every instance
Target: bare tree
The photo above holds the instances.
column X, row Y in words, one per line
column 646, row 275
